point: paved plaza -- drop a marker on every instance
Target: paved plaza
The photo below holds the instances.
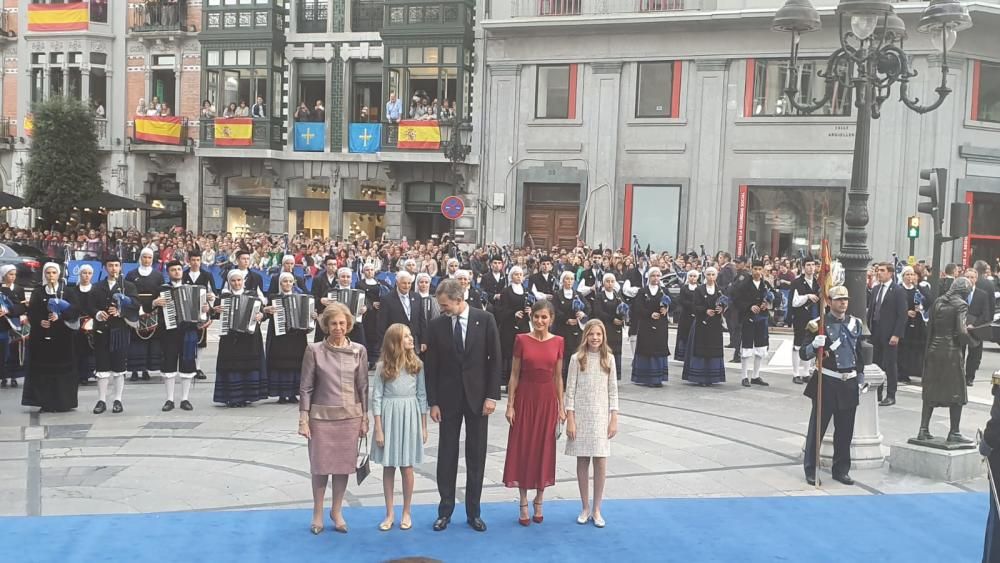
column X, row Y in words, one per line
column 678, row 441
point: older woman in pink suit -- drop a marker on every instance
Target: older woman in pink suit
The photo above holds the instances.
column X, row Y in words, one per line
column 333, row 409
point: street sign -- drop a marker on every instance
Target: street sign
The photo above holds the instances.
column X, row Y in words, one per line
column 452, row 207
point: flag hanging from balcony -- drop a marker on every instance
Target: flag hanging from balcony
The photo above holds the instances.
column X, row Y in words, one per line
column 234, row 132
column 29, row 124
column 58, row 17
column 310, row 136
column 365, row 137
column 162, row 130
column 419, row 135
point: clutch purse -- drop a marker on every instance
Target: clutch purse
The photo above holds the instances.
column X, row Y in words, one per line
column 364, row 464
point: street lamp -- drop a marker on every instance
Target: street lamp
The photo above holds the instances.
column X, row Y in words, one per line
column 869, row 62
column 455, row 141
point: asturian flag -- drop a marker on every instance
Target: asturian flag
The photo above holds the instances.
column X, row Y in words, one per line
column 365, row 137
column 310, row 136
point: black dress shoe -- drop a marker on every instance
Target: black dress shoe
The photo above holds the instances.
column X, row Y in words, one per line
column 117, row 407
column 145, row 375
column 811, row 480
column 746, row 383
column 477, row 524
column 735, row 360
column 134, row 377
column 282, row 400
column 168, row 406
column 441, row 523
column 3, row 383
column 186, row 405
column 845, row 479
column 760, row 381
column 200, row 375
column 797, row 380
column 100, row 407
column 887, row 402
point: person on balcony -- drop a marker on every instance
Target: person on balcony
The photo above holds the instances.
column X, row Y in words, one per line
column 446, row 113
column 243, row 110
column 165, row 110
column 302, row 114
column 230, row 110
column 207, row 112
column 257, row 111
column 393, row 109
column 435, row 110
column 141, row 108
column 319, row 112
column 154, row 107
column 99, row 112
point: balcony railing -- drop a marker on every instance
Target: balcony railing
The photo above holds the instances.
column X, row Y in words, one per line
column 366, row 15
column 266, row 134
column 313, row 16
column 8, row 129
column 101, row 130
column 557, row 8
column 151, row 137
column 158, row 17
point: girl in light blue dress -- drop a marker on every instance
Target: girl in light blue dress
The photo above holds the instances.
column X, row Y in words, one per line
column 399, row 405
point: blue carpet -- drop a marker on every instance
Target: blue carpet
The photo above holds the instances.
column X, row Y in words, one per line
column 906, row 528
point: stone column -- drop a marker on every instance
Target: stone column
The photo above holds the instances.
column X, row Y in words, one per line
column 177, row 87
column 213, row 198
column 708, row 116
column 46, row 83
column 602, row 96
column 278, row 221
column 85, row 84
column 336, row 219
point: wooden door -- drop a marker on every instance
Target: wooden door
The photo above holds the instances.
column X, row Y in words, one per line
column 550, row 226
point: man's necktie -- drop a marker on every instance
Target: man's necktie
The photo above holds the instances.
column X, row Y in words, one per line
column 459, row 341
column 878, row 302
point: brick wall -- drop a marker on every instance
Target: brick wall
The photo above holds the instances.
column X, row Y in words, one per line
column 194, row 16
column 135, row 86
column 190, row 103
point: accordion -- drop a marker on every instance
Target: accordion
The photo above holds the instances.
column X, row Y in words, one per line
column 239, row 314
column 183, row 305
column 353, row 299
column 293, row 312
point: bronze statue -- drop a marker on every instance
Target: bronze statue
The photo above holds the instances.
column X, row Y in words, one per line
column 944, row 375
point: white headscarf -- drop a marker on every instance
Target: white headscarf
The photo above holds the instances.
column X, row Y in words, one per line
column 6, row 269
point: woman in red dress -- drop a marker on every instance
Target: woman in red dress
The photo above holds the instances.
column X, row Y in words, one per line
column 534, row 410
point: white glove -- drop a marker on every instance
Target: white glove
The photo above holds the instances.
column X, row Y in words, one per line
column 819, row 341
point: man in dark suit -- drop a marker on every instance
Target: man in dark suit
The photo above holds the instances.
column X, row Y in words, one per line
column 462, row 370
column 403, row 306
column 887, row 305
column 980, row 313
column 949, row 276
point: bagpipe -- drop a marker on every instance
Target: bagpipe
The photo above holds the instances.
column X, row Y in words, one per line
column 580, row 307
column 721, row 300
column 622, row 311
column 921, row 302
column 6, row 306
column 665, row 301
column 764, row 314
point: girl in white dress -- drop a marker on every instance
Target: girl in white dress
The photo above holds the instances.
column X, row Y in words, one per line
column 591, row 414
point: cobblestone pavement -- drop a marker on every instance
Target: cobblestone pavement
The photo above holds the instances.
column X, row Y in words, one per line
column 678, row 441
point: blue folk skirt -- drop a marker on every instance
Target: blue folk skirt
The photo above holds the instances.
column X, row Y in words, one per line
column 649, row 370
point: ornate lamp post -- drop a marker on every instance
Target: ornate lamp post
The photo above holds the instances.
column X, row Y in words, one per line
column 868, row 63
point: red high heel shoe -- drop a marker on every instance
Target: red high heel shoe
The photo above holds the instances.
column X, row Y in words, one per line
column 537, row 518
column 523, row 521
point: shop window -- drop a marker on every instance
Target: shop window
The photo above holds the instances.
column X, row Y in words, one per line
column 768, row 79
column 785, row 221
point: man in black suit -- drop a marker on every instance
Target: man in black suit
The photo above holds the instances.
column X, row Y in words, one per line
column 403, row 306
column 944, row 285
column 463, row 383
column 887, row 305
column 980, row 313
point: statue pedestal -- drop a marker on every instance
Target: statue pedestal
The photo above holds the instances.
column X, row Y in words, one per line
column 949, row 465
column 866, row 447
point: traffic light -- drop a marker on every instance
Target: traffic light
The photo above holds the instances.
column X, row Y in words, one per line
column 934, row 190
column 913, row 227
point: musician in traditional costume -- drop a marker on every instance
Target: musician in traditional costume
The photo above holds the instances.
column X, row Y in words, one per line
column 240, row 376
column 513, row 316
column 542, row 283
column 843, row 374
column 144, row 350
column 572, row 311
column 111, row 335
column 685, row 313
column 284, row 351
column 403, row 306
column 369, row 322
column 649, row 313
column 452, row 268
column 472, row 295
column 323, row 284
column 252, row 281
column 753, row 298
column 914, row 341
column 493, row 282
column 179, row 338
column 704, row 361
column 343, row 284
column 607, row 306
column 13, row 317
column 82, row 295
column 287, row 265
column 51, row 382
column 427, row 300
column 635, row 280
column 196, row 276
column 804, row 298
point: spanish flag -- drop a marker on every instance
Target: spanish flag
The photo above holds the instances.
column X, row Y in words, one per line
column 419, row 135
column 163, row 130
column 58, row 17
column 234, row 132
column 29, row 124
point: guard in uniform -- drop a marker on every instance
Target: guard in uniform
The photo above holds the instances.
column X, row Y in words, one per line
column 804, row 308
column 843, row 376
column 195, row 276
column 144, row 351
column 111, row 335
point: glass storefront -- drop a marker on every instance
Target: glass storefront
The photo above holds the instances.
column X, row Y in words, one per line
column 787, row 221
column 309, row 207
column 248, row 205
